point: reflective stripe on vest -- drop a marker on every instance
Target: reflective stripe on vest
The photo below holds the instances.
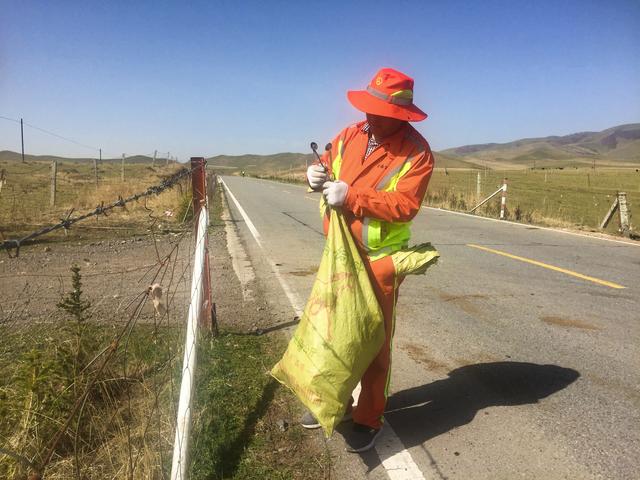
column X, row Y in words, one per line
column 383, row 238
column 380, row 238
column 337, row 162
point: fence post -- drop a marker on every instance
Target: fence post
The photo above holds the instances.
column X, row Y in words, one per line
column 624, row 214
column 155, row 152
column 478, row 186
column 503, row 203
column 122, row 168
column 95, row 171
column 22, row 139
column 54, row 173
column 3, row 179
column 199, row 189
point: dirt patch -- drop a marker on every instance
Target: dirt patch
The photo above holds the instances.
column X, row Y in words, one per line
column 420, row 354
column 114, row 272
column 568, row 322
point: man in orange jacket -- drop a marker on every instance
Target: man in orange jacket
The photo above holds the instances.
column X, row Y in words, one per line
column 377, row 171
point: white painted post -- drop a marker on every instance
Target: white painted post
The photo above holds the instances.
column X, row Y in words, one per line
column 624, row 214
column 183, row 423
column 155, row 152
column 478, row 187
column 503, row 203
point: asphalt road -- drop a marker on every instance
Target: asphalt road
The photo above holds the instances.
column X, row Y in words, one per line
column 502, row 368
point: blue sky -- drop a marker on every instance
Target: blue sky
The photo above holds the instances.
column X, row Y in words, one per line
column 205, row 78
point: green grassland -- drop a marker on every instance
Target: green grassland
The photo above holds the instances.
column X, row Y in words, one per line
column 554, row 197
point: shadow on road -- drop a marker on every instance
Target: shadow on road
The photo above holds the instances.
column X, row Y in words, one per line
column 424, row 412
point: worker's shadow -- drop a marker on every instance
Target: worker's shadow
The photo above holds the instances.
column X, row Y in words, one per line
column 424, row 412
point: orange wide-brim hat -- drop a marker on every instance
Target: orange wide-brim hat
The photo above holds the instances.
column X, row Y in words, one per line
column 390, row 94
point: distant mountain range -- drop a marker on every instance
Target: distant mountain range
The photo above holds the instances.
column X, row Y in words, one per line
column 615, row 147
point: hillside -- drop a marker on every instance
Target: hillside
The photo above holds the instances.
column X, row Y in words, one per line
column 617, row 146
column 9, row 156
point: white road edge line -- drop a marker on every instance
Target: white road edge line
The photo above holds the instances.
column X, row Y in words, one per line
column 396, row 459
column 532, row 226
column 291, row 295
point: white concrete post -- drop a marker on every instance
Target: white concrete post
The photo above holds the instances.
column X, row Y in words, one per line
column 503, row 203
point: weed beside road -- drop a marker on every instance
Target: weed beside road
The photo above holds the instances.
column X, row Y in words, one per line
column 244, row 428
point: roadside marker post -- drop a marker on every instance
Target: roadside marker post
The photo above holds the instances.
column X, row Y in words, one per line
column 619, row 204
column 501, row 189
column 624, row 214
column 199, row 189
column 503, row 202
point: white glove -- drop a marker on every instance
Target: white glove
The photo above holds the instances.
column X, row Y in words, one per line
column 335, row 192
column 316, row 176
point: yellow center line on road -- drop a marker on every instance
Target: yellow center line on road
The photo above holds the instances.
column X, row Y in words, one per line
column 550, row 267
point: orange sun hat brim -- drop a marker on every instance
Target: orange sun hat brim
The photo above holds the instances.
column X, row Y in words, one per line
column 367, row 103
column 389, row 94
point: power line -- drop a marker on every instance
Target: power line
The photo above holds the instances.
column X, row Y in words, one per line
column 95, row 149
column 52, row 134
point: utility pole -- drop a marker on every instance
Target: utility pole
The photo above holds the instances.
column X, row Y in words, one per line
column 22, row 139
column 100, row 155
column 167, row 163
column 155, row 152
column 54, row 173
column 122, row 169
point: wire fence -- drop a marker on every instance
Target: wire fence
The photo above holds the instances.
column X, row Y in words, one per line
column 555, row 197
column 93, row 393
column 101, row 209
column 34, row 193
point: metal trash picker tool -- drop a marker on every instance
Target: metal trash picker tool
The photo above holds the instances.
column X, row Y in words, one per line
column 327, row 148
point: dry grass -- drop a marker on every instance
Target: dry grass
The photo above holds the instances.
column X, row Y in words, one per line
column 25, row 195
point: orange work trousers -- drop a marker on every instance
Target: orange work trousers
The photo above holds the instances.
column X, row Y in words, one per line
column 375, row 381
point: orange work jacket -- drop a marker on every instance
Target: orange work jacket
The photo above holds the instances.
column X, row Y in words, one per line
column 385, row 190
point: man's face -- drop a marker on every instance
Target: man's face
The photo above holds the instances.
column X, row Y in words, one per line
column 382, row 127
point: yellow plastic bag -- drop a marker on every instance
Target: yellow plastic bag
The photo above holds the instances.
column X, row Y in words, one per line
column 339, row 335
column 415, row 260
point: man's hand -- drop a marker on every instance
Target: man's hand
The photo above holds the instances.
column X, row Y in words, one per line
column 335, row 192
column 316, row 176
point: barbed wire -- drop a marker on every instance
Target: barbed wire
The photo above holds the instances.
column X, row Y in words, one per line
column 101, row 209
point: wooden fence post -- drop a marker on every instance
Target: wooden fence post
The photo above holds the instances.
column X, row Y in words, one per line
column 95, row 171
column 54, row 173
column 122, row 169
